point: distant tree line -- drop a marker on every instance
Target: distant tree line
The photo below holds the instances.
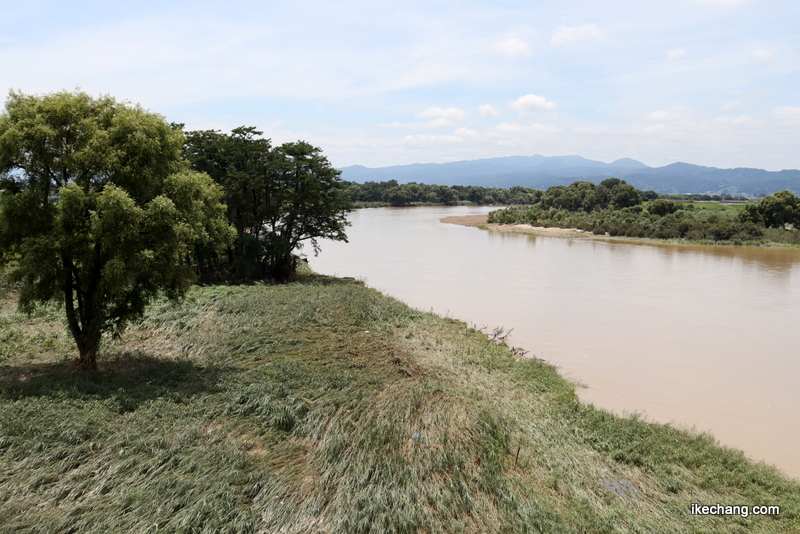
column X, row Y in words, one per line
column 391, row 193
column 618, row 209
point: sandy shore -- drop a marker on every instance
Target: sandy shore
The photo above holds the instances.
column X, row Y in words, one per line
column 467, row 220
column 480, row 221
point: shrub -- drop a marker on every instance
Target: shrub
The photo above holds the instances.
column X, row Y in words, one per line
column 662, row 207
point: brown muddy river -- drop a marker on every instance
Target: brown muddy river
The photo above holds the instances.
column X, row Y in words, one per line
column 698, row 336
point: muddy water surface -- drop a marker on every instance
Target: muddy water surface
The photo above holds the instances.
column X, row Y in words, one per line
column 701, row 336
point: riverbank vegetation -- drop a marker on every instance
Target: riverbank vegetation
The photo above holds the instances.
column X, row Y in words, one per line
column 390, row 193
column 615, row 208
column 324, row 406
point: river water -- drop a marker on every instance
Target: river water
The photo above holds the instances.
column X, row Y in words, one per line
column 697, row 336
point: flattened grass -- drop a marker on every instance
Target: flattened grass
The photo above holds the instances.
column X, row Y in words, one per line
column 323, row 406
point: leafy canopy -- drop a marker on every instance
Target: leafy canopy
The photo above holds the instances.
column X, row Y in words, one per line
column 278, row 198
column 98, row 209
column 774, row 211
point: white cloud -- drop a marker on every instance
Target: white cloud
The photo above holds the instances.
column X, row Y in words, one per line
column 439, row 118
column 787, row 114
column 591, row 129
column 520, row 131
column 573, row 34
column 465, row 132
column 435, row 123
column 531, row 103
column 654, row 129
column 512, row 47
column 677, row 53
column 673, row 113
column 449, row 114
column 731, row 104
column 487, row 110
column 739, row 120
column 422, row 139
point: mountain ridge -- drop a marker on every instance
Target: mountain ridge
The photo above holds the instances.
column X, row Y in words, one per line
column 540, row 172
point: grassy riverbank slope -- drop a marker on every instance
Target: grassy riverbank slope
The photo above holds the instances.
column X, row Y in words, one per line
column 323, row 406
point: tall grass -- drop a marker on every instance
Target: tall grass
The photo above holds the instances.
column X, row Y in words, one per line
column 323, row 406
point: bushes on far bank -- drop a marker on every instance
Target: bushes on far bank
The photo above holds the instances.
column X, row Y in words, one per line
column 598, row 209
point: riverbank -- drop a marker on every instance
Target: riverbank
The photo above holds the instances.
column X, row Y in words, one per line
column 325, row 405
column 480, row 221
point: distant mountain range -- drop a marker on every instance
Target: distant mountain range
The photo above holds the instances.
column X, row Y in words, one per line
column 541, row 172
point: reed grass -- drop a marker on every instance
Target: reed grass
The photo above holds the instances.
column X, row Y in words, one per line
column 323, row 406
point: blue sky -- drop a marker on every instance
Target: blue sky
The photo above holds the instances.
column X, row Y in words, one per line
column 712, row 82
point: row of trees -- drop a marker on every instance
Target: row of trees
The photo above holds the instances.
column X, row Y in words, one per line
column 394, row 194
column 616, row 208
column 277, row 198
column 105, row 206
column 574, row 197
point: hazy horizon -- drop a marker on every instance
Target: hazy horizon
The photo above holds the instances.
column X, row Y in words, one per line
column 709, row 82
column 555, row 156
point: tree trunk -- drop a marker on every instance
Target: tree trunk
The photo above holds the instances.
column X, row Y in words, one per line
column 87, row 361
column 84, row 330
column 283, row 270
column 88, row 341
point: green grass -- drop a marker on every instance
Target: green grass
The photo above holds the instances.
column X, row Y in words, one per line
column 712, row 206
column 323, row 406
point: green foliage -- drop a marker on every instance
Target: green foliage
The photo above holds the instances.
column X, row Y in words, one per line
column 397, row 197
column 306, row 204
column 278, row 198
column 774, row 211
column 394, row 194
column 610, row 183
column 662, row 207
column 624, row 195
column 585, row 196
column 241, row 163
column 100, row 210
column 619, row 212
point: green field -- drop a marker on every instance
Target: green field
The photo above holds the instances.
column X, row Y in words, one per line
column 324, row 406
column 710, row 206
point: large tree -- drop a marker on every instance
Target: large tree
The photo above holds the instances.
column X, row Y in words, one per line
column 307, row 202
column 278, row 198
column 98, row 209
